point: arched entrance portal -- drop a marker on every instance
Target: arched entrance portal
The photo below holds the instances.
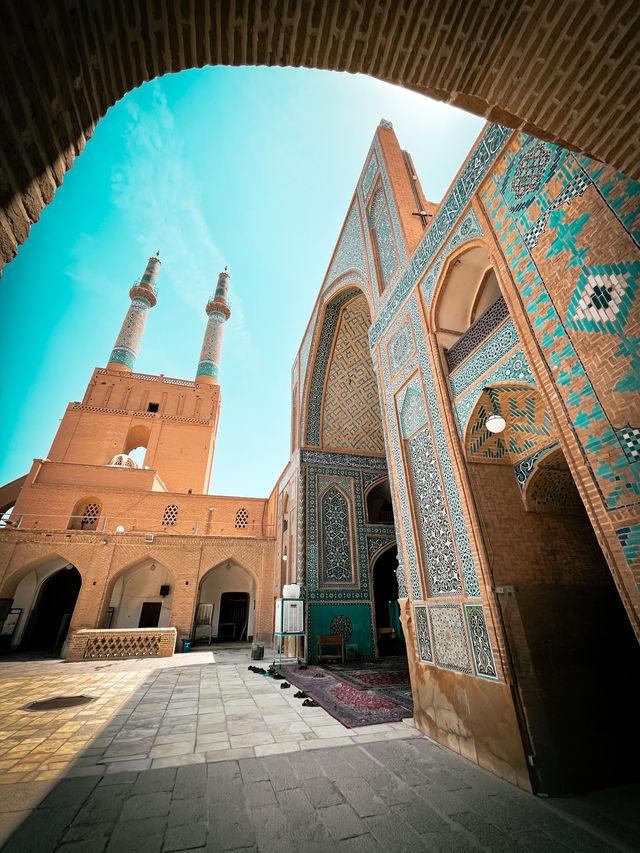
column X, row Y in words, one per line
column 49, row 621
column 389, row 633
column 226, row 604
column 563, row 619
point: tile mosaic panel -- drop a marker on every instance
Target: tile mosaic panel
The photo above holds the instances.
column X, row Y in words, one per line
column 477, row 333
column 450, row 644
column 621, row 193
column 350, row 253
column 629, row 538
column 412, row 408
column 316, row 591
column 472, row 173
column 483, row 661
column 515, row 221
column 484, row 358
column 370, row 174
column 343, row 460
column 375, row 544
column 380, row 226
column 401, row 348
column 528, row 424
column 524, row 468
column 422, row 632
column 461, row 535
column 351, row 410
column 515, row 368
column 468, row 227
column 337, row 563
column 629, row 438
column 391, row 205
column 128, row 341
column 369, row 477
column 440, row 557
column 323, row 352
column 408, row 574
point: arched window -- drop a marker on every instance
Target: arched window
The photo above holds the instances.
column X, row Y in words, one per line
column 242, row 518
column 170, row 515
column 86, row 515
column 379, row 506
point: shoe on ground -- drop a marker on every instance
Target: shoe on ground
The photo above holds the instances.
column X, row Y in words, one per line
column 319, row 675
column 309, row 703
column 284, row 685
column 299, row 695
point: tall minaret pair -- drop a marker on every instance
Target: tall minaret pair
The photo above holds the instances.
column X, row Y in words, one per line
column 143, row 297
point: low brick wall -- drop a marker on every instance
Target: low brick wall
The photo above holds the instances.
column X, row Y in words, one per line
column 117, row 643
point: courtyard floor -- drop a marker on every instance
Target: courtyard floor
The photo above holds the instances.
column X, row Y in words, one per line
column 195, row 752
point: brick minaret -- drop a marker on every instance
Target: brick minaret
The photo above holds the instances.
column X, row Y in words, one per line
column 143, row 297
column 219, row 312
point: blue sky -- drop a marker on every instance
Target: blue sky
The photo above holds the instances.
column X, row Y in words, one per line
column 250, row 167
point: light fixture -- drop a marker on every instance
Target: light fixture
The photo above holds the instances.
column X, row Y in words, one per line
column 284, row 558
column 495, row 423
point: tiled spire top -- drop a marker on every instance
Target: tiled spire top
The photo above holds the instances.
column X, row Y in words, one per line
column 222, row 287
column 151, row 272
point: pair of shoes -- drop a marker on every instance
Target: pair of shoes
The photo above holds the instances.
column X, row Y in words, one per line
column 257, row 669
column 284, row 685
column 310, row 703
column 277, row 677
column 319, row 675
column 299, row 695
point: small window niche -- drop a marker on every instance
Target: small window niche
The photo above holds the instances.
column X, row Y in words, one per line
column 153, row 407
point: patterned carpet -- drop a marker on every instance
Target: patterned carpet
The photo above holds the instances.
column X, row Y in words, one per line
column 356, row 695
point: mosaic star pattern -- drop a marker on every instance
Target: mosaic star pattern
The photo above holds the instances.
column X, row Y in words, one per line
column 127, row 345
column 401, row 348
column 450, row 644
column 422, row 632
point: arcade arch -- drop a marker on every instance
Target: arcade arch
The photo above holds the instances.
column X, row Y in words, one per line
column 230, row 589
column 140, row 596
column 46, row 595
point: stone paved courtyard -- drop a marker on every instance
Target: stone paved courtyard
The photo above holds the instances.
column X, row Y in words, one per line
column 197, row 753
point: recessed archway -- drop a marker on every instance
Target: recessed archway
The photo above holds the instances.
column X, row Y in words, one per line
column 141, row 596
column 226, row 603
column 442, row 51
column 47, row 596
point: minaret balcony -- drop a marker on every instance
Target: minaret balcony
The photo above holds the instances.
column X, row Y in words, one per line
column 143, row 291
column 218, row 306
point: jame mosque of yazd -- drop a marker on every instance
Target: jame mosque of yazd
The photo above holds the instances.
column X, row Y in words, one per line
column 465, row 458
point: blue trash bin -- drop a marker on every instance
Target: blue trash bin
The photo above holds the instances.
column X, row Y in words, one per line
column 186, row 645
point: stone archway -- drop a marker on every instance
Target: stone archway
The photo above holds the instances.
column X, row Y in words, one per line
column 563, row 73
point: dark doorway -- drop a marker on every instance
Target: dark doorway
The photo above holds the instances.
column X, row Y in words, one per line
column 49, row 622
column 379, row 506
column 569, row 639
column 150, row 614
column 234, row 616
column 385, row 601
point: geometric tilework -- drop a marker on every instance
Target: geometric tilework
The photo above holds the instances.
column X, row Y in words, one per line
column 513, row 369
column 337, row 563
column 484, row 358
column 528, row 424
column 622, row 194
column 349, row 254
column 380, row 226
column 422, row 632
column 477, row 333
column 439, row 552
column 629, row 438
column 401, row 347
column 468, row 227
column 351, row 409
column 408, row 575
column 617, row 481
column 629, row 538
column 412, row 407
column 369, row 176
column 377, row 543
column 325, row 344
column 478, row 164
column 456, row 515
column 127, row 344
column 450, row 643
column 483, row 660
column 524, row 468
column 603, row 297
